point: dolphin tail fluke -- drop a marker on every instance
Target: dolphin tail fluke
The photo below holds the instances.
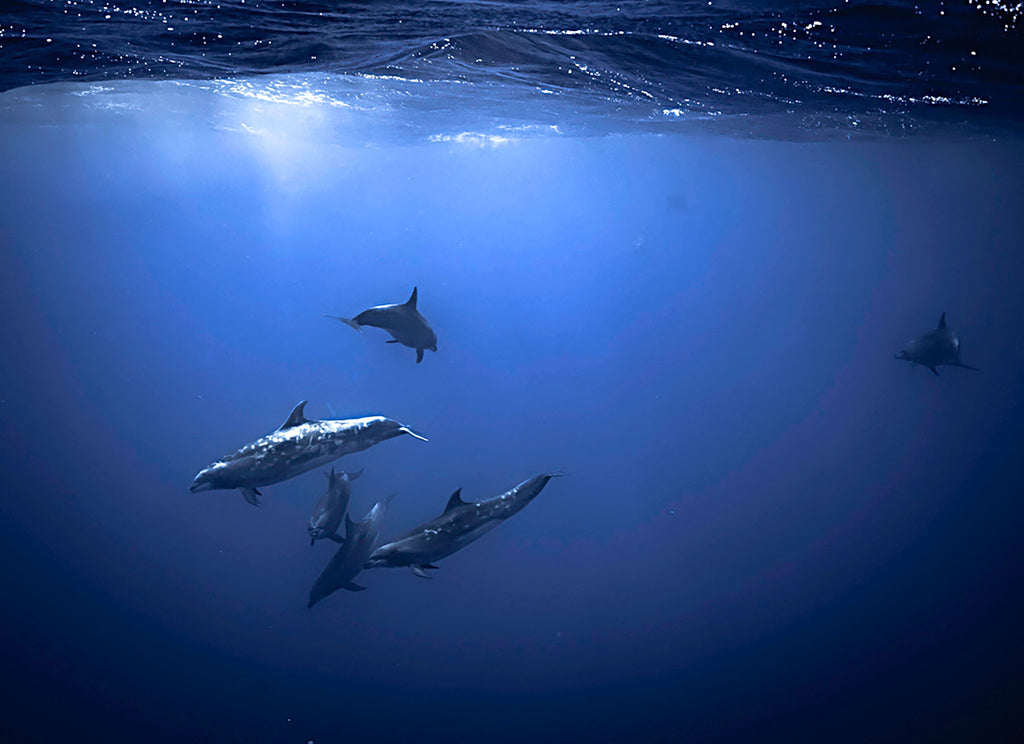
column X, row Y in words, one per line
column 252, row 496
column 418, row 569
column 353, row 587
column 413, row 433
column 347, row 321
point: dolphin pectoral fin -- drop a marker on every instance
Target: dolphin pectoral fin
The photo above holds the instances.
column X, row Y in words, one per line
column 419, row 355
column 251, row 495
column 935, row 371
column 353, row 587
column 965, row 366
column 337, row 538
column 355, row 474
column 418, row 569
column 391, row 341
column 312, row 541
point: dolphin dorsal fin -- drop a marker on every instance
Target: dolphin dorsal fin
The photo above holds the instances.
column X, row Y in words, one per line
column 350, row 526
column 455, row 501
column 411, row 302
column 295, row 418
column 942, row 321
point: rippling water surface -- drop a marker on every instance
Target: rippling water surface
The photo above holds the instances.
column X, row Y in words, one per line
column 891, row 67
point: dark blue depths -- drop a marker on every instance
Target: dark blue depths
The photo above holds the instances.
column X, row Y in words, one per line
column 770, row 528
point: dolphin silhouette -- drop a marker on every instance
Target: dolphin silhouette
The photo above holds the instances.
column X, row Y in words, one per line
column 461, row 523
column 935, row 348
column 297, row 446
column 403, row 322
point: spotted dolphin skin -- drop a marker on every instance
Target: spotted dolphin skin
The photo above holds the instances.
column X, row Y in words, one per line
column 940, row 346
column 347, row 561
column 297, row 446
column 403, row 322
column 330, row 509
column 460, row 524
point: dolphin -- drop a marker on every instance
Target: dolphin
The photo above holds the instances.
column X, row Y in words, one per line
column 457, row 526
column 347, row 561
column 935, row 348
column 329, row 510
column 297, row 446
column 403, row 322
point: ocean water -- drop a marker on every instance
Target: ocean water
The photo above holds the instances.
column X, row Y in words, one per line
column 669, row 249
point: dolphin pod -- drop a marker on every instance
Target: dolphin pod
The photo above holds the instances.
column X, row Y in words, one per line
column 302, row 444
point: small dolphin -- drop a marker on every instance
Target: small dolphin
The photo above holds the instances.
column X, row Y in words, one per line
column 347, row 561
column 403, row 322
column 456, row 527
column 935, row 348
column 297, row 446
column 330, row 509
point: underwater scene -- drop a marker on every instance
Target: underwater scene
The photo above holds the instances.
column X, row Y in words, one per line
column 511, row 371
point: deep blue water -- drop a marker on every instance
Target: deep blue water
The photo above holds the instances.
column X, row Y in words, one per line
column 672, row 261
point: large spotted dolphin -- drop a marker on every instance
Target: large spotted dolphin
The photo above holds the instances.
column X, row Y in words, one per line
column 347, row 561
column 935, row 348
column 297, row 446
column 457, row 526
column 403, row 322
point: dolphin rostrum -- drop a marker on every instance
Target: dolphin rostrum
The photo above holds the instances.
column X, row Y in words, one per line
column 347, row 561
column 297, row 446
column 403, row 322
column 460, row 524
column 330, row 509
column 937, row 347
